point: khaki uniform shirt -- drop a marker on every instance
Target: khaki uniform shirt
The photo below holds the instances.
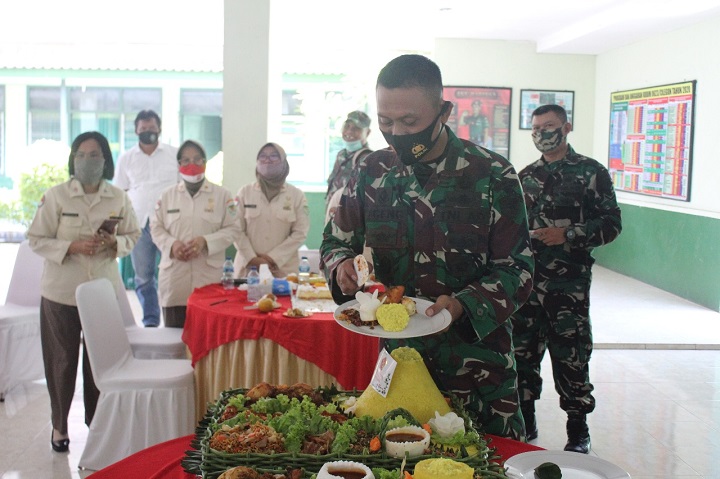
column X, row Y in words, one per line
column 67, row 214
column 276, row 228
column 212, row 214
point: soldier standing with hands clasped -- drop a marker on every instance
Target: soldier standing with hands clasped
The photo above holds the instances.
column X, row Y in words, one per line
column 572, row 209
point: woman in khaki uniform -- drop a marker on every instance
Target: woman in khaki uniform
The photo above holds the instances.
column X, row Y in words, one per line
column 273, row 215
column 81, row 227
column 194, row 223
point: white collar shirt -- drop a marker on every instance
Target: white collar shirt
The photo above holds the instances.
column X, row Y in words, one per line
column 145, row 177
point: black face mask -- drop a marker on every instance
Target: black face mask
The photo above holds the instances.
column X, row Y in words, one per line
column 148, row 137
column 412, row 147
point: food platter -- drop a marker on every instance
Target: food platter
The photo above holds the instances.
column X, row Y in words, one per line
column 217, row 446
column 420, row 324
column 572, row 465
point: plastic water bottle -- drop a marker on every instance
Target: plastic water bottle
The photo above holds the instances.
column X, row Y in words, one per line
column 227, row 274
column 304, row 271
column 254, row 289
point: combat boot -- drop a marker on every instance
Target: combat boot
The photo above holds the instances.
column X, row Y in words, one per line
column 528, row 412
column 578, row 434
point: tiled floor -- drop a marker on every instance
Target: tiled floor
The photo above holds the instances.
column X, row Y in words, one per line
column 656, row 371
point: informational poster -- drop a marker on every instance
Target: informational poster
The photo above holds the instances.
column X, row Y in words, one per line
column 651, row 136
column 481, row 115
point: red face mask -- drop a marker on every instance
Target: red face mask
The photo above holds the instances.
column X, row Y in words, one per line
column 192, row 173
column 192, row 169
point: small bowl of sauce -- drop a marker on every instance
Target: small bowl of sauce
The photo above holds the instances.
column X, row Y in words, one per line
column 345, row 470
column 412, row 440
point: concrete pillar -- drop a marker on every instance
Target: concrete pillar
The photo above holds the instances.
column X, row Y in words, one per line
column 246, row 82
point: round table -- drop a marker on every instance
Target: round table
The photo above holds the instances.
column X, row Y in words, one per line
column 234, row 347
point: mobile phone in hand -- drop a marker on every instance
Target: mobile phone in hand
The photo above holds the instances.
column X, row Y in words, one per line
column 109, row 226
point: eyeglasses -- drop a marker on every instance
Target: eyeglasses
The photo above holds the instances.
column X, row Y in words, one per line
column 198, row 160
column 271, row 156
column 91, row 156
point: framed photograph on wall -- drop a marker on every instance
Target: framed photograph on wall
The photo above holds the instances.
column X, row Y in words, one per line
column 531, row 99
column 482, row 115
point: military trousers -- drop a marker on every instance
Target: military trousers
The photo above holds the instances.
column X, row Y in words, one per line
column 556, row 318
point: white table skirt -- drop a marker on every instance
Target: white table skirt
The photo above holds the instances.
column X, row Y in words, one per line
column 247, row 362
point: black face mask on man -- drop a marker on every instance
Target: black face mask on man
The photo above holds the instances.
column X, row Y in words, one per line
column 412, row 147
column 148, row 137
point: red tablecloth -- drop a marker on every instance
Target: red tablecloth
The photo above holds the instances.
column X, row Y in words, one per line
column 318, row 338
column 163, row 460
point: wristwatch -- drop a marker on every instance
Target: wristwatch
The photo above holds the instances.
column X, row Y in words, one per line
column 570, row 234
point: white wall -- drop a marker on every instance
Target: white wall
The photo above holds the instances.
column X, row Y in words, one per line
column 687, row 54
column 517, row 65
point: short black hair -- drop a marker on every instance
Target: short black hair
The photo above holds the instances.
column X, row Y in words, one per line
column 408, row 71
column 188, row 143
column 109, row 169
column 557, row 109
column 148, row 115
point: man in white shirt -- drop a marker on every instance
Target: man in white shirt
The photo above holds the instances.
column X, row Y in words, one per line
column 145, row 171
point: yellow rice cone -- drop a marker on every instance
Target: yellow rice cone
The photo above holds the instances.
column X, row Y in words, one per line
column 411, row 388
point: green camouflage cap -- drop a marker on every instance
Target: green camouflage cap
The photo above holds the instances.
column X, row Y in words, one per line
column 359, row 118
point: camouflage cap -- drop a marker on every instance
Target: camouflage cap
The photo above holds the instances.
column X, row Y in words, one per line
column 359, row 118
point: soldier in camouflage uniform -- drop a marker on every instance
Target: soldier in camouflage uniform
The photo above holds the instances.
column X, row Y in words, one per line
column 444, row 218
column 355, row 133
column 572, row 209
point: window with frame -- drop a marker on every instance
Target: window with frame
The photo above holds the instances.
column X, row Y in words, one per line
column 111, row 111
column 44, row 114
column 201, row 118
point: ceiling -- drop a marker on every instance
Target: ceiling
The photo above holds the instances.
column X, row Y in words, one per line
column 190, row 34
column 555, row 26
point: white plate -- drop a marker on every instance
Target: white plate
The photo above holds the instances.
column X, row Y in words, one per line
column 572, row 465
column 420, row 325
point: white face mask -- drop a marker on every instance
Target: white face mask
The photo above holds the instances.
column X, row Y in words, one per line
column 270, row 170
column 193, row 178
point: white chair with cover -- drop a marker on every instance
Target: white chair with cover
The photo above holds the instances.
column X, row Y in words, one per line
column 20, row 350
column 150, row 343
column 142, row 402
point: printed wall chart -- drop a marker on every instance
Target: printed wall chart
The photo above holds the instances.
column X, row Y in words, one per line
column 651, row 140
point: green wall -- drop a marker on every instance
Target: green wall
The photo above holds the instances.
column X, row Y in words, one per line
column 675, row 252
column 316, row 202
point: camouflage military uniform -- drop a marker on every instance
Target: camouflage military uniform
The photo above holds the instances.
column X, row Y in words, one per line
column 577, row 192
column 464, row 234
column 344, row 164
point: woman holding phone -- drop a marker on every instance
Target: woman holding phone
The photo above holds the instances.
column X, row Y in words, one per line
column 81, row 227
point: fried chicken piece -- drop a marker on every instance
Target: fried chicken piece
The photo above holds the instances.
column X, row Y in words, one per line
column 240, row 472
column 298, row 390
column 319, row 444
column 261, row 390
column 394, row 295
